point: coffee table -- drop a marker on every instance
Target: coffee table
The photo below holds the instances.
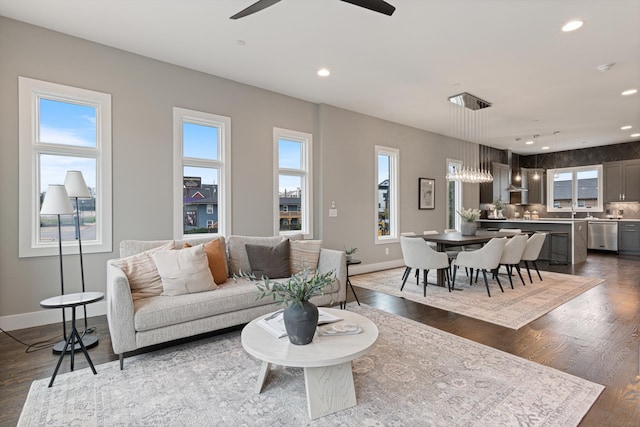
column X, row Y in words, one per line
column 326, row 361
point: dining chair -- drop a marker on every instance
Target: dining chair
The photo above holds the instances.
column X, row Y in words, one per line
column 419, row 255
column 532, row 252
column 512, row 254
column 408, row 233
column 484, row 259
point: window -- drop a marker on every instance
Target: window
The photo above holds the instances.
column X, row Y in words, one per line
column 454, row 196
column 576, row 189
column 386, row 185
column 63, row 128
column 292, row 182
column 201, row 149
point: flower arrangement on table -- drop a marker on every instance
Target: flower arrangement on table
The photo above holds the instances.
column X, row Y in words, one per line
column 498, row 204
column 469, row 215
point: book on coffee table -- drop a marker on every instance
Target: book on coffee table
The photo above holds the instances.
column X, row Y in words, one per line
column 274, row 324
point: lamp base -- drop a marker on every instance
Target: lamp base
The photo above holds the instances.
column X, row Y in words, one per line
column 89, row 341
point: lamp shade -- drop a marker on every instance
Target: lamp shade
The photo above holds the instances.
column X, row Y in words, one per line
column 76, row 186
column 56, row 201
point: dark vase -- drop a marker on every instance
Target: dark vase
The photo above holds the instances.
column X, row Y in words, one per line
column 300, row 321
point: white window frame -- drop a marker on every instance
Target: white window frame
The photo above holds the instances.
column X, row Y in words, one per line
column 30, row 149
column 394, row 201
column 574, row 192
column 305, row 173
column 458, row 198
column 223, row 163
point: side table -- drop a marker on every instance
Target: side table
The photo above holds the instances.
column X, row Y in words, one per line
column 72, row 301
column 352, row 262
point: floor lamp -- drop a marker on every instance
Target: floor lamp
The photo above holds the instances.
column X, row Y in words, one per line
column 56, row 202
column 77, row 188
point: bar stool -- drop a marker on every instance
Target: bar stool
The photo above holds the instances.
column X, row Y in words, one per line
column 550, row 252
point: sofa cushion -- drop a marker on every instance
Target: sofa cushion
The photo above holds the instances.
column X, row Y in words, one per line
column 237, row 253
column 184, row 272
column 142, row 273
column 217, row 259
column 304, row 253
column 158, row 312
column 269, row 261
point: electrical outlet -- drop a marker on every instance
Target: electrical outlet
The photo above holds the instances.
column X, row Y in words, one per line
column 386, row 251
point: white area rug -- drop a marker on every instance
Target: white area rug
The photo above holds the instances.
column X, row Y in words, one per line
column 513, row 309
column 415, row 376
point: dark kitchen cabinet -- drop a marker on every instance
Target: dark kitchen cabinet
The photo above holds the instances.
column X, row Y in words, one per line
column 621, row 181
column 629, row 237
column 499, row 188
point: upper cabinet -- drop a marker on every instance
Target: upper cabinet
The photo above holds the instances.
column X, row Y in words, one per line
column 622, row 181
column 499, row 188
column 535, row 195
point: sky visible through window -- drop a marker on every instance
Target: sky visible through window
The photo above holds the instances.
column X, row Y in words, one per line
column 65, row 123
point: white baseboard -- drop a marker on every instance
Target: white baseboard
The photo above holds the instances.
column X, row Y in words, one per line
column 368, row 268
column 46, row 317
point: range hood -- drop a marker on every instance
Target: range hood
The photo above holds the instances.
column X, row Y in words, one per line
column 513, row 188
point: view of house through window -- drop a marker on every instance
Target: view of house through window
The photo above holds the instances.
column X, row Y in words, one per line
column 63, row 128
column 293, row 182
column 575, row 189
column 199, row 141
column 454, row 197
column 386, row 193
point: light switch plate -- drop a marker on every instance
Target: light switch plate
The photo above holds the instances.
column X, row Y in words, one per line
column 333, row 212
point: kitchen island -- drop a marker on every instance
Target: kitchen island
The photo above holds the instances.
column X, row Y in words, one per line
column 567, row 239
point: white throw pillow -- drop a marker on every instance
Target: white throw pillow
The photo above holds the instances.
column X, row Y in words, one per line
column 304, row 253
column 184, row 271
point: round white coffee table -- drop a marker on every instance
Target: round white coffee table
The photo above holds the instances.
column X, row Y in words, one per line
column 326, row 361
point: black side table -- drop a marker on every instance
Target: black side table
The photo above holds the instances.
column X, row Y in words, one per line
column 72, row 301
column 352, row 262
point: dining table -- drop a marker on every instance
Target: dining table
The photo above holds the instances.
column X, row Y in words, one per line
column 445, row 240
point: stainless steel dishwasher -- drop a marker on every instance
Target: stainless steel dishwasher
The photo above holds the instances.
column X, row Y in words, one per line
column 603, row 235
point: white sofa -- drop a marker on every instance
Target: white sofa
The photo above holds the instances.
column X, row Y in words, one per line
column 134, row 324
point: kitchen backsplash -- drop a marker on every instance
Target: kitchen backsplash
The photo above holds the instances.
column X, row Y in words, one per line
column 631, row 211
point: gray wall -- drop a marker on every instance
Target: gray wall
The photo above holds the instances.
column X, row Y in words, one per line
column 143, row 94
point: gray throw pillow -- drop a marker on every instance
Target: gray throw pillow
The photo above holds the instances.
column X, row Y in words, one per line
column 269, row 261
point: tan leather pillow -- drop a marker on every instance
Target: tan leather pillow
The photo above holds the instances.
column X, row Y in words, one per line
column 217, row 260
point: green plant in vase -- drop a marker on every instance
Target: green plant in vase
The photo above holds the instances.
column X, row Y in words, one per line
column 469, row 216
column 350, row 251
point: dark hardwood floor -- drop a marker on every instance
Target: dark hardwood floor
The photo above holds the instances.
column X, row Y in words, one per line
column 595, row 336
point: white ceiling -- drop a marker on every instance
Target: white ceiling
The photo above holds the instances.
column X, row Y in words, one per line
column 400, row 68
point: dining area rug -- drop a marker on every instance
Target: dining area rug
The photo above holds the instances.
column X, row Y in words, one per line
column 512, row 309
column 415, row 375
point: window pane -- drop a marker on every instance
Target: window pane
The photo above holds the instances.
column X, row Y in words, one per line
column 200, row 141
column 290, row 154
column 563, row 190
column 53, row 170
column 384, row 195
column 290, row 198
column 587, row 188
column 66, row 123
column 200, row 200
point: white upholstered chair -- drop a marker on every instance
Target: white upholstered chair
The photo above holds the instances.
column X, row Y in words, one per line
column 484, row 259
column 532, row 252
column 512, row 254
column 417, row 254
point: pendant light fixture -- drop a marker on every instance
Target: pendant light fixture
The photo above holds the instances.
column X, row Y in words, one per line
column 469, row 122
column 556, row 174
column 536, row 173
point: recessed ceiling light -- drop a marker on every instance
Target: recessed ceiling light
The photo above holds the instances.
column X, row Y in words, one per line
column 629, row 92
column 324, row 72
column 635, row 135
column 241, row 42
column 626, row 127
column 572, row 26
column 605, row 67
column 529, row 142
column 545, row 148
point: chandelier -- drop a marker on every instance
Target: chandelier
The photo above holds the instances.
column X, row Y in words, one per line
column 469, row 123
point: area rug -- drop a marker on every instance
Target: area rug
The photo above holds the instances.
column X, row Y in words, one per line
column 415, row 376
column 513, row 309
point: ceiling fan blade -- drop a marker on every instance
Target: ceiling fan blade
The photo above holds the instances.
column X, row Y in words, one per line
column 256, row 7
column 379, row 6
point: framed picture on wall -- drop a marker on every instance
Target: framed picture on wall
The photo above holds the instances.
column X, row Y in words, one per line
column 426, row 193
